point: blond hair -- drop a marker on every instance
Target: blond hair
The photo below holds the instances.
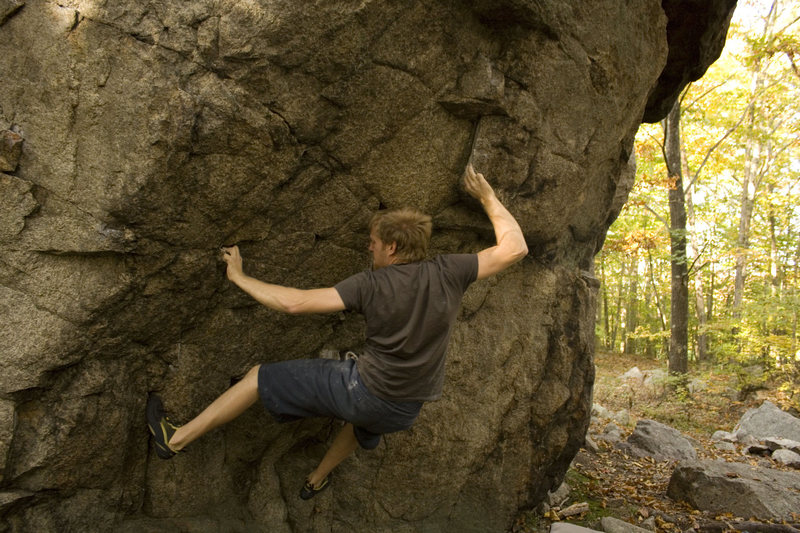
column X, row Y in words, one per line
column 408, row 228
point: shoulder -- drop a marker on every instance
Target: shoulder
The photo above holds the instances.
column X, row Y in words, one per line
column 463, row 267
column 353, row 290
column 456, row 260
column 356, row 279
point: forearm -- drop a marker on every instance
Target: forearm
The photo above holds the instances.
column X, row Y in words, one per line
column 510, row 246
column 277, row 297
column 507, row 230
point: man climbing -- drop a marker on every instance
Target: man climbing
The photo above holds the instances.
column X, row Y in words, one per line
column 409, row 304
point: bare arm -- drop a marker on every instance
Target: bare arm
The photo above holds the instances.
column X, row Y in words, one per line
column 511, row 246
column 278, row 297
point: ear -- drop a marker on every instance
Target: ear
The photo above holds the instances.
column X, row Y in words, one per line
column 392, row 248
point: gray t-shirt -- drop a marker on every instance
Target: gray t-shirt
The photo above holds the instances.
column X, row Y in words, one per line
column 409, row 311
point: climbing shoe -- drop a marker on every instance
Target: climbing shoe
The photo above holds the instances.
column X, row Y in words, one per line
column 309, row 491
column 159, row 425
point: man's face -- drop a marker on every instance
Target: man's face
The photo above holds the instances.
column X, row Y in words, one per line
column 382, row 254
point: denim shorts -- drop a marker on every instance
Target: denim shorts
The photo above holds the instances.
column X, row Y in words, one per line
column 304, row 388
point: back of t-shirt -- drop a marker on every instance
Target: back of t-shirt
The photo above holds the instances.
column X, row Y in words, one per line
column 409, row 311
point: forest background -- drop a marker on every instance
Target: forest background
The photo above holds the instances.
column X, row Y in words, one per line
column 702, row 267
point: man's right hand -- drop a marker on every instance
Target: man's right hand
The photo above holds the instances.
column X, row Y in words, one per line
column 511, row 246
column 231, row 256
column 476, row 185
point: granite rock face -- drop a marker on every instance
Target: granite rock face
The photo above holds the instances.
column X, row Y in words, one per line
column 696, row 34
column 138, row 137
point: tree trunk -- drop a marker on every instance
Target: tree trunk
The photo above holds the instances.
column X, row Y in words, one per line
column 751, row 179
column 631, row 313
column 711, row 286
column 679, row 315
column 699, row 299
column 618, row 310
column 746, row 214
column 793, row 349
column 655, row 290
column 604, row 285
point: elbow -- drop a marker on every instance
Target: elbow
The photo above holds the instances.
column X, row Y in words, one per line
column 514, row 248
column 520, row 252
column 300, row 306
column 295, row 302
column 295, row 308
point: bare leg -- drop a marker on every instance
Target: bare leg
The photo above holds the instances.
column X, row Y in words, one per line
column 231, row 404
column 343, row 445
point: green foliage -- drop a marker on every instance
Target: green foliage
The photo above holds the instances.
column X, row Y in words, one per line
column 583, row 489
column 740, row 131
column 750, row 379
column 789, row 387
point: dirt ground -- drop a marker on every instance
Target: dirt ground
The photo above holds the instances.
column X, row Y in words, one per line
column 634, row 490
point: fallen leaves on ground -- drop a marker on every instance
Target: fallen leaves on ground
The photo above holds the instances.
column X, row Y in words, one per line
column 635, row 489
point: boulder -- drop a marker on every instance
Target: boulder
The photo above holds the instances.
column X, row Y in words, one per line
column 566, row 527
column 8, row 8
column 725, row 446
column 622, row 417
column 758, row 449
column 747, row 440
column 747, row 491
column 148, row 134
column 775, row 444
column 723, row 436
column 558, row 496
column 6, row 431
column 10, row 149
column 696, row 25
column 600, row 411
column 611, row 433
column 649, row 523
column 657, row 440
column 615, row 525
column 634, row 374
column 9, row 498
column 654, row 378
column 768, row 421
column 786, row 458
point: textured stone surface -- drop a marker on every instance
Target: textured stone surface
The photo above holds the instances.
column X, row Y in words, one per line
column 615, row 525
column 718, row 487
column 775, row 444
column 768, row 421
column 6, row 431
column 8, row 8
column 153, row 133
column 696, row 34
column 10, row 150
column 654, row 439
column 787, row 458
column 564, row 527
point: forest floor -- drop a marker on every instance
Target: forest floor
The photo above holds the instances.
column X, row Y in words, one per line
column 635, row 490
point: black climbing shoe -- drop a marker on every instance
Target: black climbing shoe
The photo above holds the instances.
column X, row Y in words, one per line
column 309, row 491
column 159, row 425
